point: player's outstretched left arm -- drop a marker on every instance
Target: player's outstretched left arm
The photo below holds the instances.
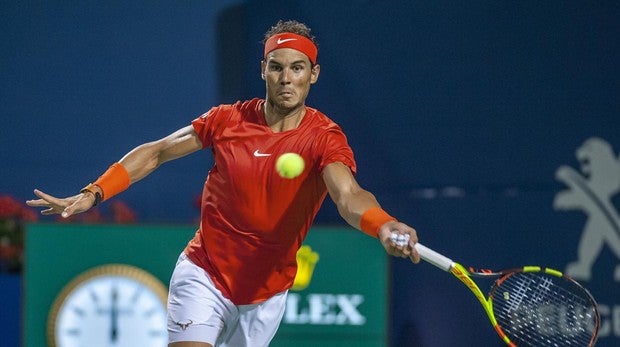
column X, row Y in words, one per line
column 358, row 206
column 135, row 165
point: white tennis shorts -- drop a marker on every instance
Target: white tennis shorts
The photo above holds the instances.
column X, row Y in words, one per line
column 197, row 311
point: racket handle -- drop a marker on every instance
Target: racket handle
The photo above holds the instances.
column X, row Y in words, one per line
column 434, row 258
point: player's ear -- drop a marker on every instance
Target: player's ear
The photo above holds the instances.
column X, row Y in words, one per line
column 314, row 73
column 263, row 65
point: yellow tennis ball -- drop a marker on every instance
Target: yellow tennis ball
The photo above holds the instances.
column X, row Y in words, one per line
column 290, row 165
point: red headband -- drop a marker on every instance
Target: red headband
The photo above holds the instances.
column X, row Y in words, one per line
column 294, row 41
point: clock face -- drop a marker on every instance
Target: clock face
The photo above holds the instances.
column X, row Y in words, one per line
column 111, row 306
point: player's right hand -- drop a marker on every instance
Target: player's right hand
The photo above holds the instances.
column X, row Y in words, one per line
column 389, row 234
column 66, row 207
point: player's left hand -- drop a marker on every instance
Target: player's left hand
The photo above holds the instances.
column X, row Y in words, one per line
column 398, row 240
column 64, row 206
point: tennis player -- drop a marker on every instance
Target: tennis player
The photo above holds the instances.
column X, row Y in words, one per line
column 230, row 283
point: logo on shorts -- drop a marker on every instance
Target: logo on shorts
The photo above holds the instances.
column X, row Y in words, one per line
column 306, row 261
column 184, row 325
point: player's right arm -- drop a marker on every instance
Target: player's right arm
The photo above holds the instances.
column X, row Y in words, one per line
column 139, row 163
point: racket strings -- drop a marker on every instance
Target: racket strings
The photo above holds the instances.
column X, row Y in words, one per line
column 536, row 309
column 546, row 325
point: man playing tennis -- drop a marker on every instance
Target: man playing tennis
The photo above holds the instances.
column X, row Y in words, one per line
column 230, row 284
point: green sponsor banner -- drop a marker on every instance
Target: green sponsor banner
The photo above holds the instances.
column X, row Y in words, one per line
column 57, row 254
column 345, row 302
column 339, row 297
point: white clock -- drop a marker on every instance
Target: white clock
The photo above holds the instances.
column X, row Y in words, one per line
column 112, row 305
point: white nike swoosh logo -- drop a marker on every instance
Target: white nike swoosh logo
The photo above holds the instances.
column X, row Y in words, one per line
column 281, row 41
column 259, row 154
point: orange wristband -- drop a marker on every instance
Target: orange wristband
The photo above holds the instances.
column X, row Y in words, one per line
column 372, row 219
column 113, row 181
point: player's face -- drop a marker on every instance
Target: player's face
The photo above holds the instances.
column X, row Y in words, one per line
column 288, row 75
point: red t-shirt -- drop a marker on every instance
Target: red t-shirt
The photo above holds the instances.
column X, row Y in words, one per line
column 253, row 221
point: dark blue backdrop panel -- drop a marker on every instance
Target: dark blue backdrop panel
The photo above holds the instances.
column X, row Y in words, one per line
column 439, row 93
column 10, row 322
column 84, row 83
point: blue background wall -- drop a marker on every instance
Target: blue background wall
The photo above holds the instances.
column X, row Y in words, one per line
column 459, row 114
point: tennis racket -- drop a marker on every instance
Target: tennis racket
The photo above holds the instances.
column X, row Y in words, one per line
column 530, row 306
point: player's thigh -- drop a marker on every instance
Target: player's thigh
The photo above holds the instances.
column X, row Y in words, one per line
column 197, row 311
column 189, row 344
column 257, row 324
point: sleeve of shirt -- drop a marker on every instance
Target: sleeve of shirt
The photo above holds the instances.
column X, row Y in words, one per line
column 335, row 148
column 204, row 126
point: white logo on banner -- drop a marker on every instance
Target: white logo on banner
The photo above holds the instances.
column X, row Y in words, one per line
column 591, row 190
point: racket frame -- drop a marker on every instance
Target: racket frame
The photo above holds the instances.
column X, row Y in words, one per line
column 465, row 276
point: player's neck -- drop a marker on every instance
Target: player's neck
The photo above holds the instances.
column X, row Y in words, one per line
column 280, row 120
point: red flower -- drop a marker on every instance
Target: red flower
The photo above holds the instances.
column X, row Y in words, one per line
column 121, row 213
column 9, row 207
column 29, row 215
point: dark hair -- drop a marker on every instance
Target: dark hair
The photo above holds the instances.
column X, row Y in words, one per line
column 289, row 26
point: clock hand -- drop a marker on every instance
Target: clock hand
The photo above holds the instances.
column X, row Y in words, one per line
column 114, row 316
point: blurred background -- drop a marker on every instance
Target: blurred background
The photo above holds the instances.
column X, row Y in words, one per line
column 460, row 115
